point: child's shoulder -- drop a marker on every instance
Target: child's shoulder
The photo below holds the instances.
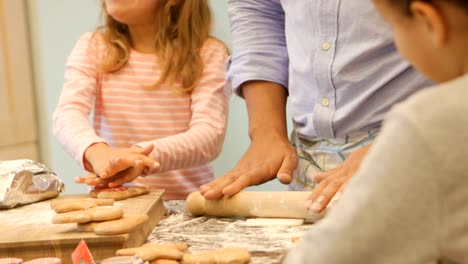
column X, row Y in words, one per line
column 91, row 39
column 445, row 96
column 91, row 44
column 214, row 44
column 438, row 117
column 439, row 107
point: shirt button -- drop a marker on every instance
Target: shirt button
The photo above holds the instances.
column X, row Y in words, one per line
column 325, row 101
column 326, row 45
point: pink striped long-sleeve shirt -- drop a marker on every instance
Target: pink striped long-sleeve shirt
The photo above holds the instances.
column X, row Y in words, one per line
column 187, row 130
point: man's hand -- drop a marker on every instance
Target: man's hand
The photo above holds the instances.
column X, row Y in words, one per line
column 265, row 159
column 332, row 183
column 269, row 155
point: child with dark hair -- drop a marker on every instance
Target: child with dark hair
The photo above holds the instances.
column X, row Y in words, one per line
column 408, row 202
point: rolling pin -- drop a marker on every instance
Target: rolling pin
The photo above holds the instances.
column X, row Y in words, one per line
column 253, row 204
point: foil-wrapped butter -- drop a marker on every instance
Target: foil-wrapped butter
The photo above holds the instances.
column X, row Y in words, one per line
column 25, row 181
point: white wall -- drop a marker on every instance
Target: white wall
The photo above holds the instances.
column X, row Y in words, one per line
column 55, row 27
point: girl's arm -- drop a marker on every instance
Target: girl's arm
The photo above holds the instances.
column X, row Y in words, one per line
column 71, row 124
column 203, row 141
column 71, row 117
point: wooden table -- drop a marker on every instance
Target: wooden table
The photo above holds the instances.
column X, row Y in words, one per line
column 266, row 244
column 27, row 232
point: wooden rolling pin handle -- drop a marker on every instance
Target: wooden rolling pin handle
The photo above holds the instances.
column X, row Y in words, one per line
column 194, row 204
column 251, row 204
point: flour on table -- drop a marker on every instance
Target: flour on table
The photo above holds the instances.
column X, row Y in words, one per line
column 272, row 222
column 21, row 216
column 266, row 244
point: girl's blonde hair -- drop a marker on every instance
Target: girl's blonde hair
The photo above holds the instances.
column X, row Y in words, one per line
column 183, row 26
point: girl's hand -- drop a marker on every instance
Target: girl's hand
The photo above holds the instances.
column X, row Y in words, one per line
column 106, row 162
column 121, row 177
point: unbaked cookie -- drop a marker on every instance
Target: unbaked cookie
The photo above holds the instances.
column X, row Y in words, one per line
column 150, row 252
column 123, row 225
column 44, row 261
column 68, row 205
column 119, row 193
column 219, row 256
column 100, row 213
column 164, row 261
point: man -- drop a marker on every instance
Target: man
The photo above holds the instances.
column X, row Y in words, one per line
column 338, row 65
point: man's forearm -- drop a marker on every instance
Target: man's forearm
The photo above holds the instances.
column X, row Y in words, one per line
column 266, row 104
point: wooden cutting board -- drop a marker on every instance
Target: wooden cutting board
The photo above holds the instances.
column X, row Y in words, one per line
column 27, row 232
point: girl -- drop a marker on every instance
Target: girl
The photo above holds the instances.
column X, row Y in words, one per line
column 408, row 202
column 155, row 80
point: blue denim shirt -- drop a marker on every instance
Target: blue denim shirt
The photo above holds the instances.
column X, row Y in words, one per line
column 336, row 58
